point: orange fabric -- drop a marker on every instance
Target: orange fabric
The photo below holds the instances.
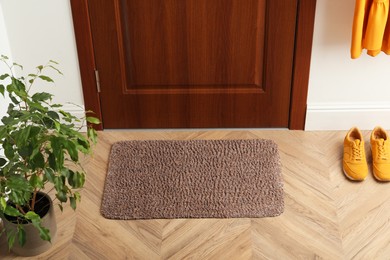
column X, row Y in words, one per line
column 371, row 28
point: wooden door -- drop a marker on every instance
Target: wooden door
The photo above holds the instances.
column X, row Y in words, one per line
column 194, row 63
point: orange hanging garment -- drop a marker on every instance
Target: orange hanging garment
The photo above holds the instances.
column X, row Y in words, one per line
column 371, row 28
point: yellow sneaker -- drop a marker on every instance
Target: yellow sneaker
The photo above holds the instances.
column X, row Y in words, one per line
column 380, row 147
column 354, row 159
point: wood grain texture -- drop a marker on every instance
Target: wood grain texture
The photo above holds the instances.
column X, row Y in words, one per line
column 180, row 64
column 302, row 58
column 192, row 44
column 85, row 51
column 300, row 84
column 326, row 216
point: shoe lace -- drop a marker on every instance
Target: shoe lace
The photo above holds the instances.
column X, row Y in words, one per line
column 356, row 151
column 382, row 151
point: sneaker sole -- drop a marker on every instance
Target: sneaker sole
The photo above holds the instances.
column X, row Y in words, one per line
column 379, row 179
column 350, row 178
column 375, row 176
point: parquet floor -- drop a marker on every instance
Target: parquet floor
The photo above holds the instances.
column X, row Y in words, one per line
column 326, row 216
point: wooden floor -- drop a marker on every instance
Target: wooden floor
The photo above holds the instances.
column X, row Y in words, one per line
column 326, row 216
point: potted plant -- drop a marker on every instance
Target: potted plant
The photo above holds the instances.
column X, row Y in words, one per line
column 41, row 144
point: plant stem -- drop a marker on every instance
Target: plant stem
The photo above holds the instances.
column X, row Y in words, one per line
column 20, row 209
column 33, row 199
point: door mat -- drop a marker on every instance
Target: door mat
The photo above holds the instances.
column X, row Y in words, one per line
column 193, row 179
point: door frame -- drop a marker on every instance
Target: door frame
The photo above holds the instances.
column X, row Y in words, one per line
column 300, row 74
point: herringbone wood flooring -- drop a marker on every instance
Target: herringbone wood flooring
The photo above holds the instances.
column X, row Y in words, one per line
column 326, row 216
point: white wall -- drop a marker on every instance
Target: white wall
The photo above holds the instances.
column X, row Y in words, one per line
column 344, row 92
column 4, row 50
column 38, row 31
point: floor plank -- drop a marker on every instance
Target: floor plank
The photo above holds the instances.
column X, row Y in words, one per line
column 326, row 216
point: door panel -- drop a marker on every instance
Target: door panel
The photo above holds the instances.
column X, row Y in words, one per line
column 198, row 44
column 194, row 63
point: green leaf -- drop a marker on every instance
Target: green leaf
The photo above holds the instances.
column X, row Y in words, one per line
column 2, row 88
column 44, row 233
column 76, row 179
column 40, row 67
column 57, row 125
column 54, row 68
column 36, row 150
column 24, row 151
column 77, row 196
column 93, row 120
column 10, row 108
column 20, row 88
column 61, row 208
column 49, row 173
column 21, row 235
column 83, row 146
column 70, row 178
column 58, row 144
column 2, row 162
column 14, row 100
column 36, row 181
column 8, row 150
column 65, row 172
column 20, row 190
column 61, row 196
column 11, row 211
column 4, row 76
column 23, row 136
column 65, row 114
column 41, row 96
column 3, row 203
column 31, row 215
column 59, row 183
column 37, row 106
column 53, row 115
column 46, row 78
column 35, row 130
column 48, row 122
column 38, row 162
column 92, row 134
column 81, row 179
column 52, row 161
column 18, row 65
column 11, row 238
column 72, row 150
column 3, row 131
column 72, row 203
column 36, row 221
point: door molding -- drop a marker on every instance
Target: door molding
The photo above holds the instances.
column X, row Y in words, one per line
column 301, row 67
column 300, row 73
column 83, row 35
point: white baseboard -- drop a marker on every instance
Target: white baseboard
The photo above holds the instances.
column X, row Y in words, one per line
column 343, row 116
